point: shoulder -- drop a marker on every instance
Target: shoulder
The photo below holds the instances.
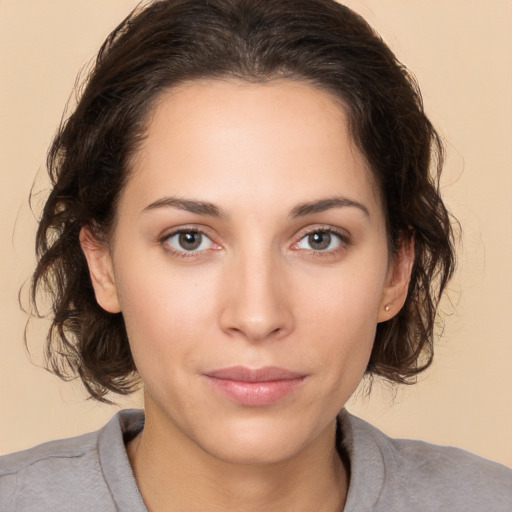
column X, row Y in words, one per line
column 41, row 475
column 425, row 476
column 65, row 474
column 43, row 454
column 460, row 477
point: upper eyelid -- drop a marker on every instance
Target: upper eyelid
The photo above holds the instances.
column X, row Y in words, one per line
column 342, row 233
column 164, row 239
column 183, row 253
column 183, row 229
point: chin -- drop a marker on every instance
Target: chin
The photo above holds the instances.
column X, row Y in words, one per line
column 255, row 451
column 258, row 441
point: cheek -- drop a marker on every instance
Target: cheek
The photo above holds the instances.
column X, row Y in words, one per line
column 338, row 314
column 166, row 311
column 346, row 298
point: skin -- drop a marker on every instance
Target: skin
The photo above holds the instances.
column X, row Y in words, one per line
column 257, row 292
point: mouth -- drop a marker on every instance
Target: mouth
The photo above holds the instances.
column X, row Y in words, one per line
column 254, row 387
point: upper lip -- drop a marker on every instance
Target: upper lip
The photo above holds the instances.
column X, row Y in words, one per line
column 265, row 374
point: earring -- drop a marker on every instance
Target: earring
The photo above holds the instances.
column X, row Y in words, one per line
column 387, row 307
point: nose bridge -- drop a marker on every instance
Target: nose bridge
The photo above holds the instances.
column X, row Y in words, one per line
column 257, row 305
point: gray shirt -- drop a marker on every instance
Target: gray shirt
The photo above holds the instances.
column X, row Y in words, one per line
column 92, row 473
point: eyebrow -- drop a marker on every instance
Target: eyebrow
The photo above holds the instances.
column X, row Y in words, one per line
column 211, row 210
column 189, row 205
column 322, row 205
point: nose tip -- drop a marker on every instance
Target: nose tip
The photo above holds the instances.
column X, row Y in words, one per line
column 257, row 305
column 257, row 328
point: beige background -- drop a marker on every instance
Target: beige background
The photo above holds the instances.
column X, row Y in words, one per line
column 460, row 51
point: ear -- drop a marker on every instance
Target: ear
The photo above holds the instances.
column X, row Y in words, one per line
column 99, row 261
column 397, row 280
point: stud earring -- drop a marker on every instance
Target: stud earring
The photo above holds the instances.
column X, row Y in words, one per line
column 387, row 307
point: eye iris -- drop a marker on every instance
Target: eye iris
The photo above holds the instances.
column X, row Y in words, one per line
column 319, row 241
column 190, row 241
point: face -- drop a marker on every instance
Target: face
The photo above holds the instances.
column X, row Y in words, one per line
column 251, row 265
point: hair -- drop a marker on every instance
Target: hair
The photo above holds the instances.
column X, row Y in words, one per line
column 169, row 42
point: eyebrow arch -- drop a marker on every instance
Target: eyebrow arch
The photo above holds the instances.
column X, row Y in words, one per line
column 322, row 205
column 189, row 205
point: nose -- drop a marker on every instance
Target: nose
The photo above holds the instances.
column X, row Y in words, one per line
column 257, row 300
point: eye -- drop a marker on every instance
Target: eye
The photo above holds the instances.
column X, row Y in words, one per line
column 320, row 240
column 188, row 241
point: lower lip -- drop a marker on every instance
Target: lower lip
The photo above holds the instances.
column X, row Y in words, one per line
column 255, row 393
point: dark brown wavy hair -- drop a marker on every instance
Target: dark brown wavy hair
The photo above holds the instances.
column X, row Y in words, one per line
column 168, row 42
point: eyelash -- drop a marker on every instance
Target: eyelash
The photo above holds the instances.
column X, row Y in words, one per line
column 344, row 242
column 182, row 254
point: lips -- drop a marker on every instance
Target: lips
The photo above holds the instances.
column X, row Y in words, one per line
column 254, row 387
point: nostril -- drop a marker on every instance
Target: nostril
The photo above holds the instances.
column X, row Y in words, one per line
column 256, row 329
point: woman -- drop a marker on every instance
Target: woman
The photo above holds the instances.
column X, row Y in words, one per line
column 243, row 218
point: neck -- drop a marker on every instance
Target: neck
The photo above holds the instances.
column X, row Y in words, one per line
column 173, row 473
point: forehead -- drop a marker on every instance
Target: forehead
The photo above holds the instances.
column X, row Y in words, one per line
column 233, row 139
